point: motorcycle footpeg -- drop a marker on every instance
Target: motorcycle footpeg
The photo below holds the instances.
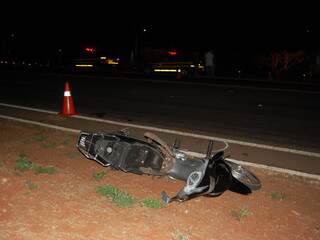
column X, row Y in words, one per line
column 165, row 198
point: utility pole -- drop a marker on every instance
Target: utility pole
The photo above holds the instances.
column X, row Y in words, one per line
column 136, row 55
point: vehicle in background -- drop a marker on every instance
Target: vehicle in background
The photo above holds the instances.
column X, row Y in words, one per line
column 180, row 64
column 92, row 60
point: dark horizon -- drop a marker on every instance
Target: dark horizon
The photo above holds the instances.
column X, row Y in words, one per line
column 45, row 30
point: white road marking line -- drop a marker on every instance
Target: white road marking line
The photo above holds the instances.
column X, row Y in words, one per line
column 195, row 154
column 262, row 166
column 28, row 108
column 249, row 144
column 281, row 149
column 40, row 124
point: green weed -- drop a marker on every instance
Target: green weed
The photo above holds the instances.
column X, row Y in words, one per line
column 277, row 196
column 23, row 163
column 98, row 175
column 39, row 169
column 151, row 203
column 31, row 185
column 39, row 137
column 122, row 199
column 177, row 235
column 243, row 212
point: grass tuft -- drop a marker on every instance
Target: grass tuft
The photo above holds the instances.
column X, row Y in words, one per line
column 122, row 199
column 243, row 212
column 39, row 169
column 98, row 175
column 151, row 203
column 39, row 137
column 177, row 235
column 31, row 185
column 23, row 164
column 277, row 196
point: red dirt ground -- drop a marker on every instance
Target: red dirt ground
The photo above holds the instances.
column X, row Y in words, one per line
column 65, row 205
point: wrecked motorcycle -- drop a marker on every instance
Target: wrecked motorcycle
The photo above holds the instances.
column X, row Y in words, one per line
column 210, row 176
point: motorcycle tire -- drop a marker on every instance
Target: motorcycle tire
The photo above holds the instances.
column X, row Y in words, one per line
column 244, row 176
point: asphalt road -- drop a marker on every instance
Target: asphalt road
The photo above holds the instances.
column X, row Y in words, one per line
column 286, row 117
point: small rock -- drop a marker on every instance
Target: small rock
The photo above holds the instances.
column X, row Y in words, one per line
column 295, row 213
column 4, row 180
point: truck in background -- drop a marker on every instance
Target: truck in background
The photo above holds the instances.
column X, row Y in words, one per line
column 171, row 62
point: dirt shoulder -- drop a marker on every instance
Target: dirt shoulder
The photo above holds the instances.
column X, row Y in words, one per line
column 49, row 190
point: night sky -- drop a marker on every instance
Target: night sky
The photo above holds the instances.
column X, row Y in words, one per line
column 44, row 28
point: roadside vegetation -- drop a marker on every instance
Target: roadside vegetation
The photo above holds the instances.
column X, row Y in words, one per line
column 30, row 185
column 277, row 196
column 241, row 213
column 23, row 164
column 124, row 199
column 98, row 175
column 178, row 235
column 120, row 198
column 151, row 203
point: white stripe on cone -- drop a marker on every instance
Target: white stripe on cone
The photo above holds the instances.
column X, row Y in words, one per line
column 67, row 94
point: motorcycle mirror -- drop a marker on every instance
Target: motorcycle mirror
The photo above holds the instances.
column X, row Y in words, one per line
column 177, row 143
column 209, row 149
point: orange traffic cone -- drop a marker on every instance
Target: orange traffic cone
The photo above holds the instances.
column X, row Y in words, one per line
column 68, row 105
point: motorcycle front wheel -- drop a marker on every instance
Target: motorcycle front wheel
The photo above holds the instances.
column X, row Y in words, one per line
column 244, row 176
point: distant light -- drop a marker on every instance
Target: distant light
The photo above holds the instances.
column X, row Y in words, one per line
column 165, row 70
column 103, row 57
column 144, row 30
column 172, row 53
column 112, row 62
column 90, row 49
column 84, row 65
